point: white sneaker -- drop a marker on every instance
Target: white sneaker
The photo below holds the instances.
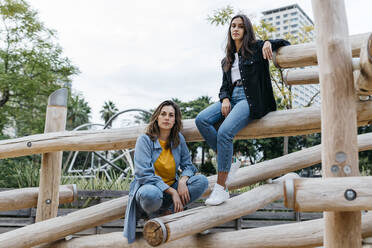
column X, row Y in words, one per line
column 218, row 195
column 233, row 169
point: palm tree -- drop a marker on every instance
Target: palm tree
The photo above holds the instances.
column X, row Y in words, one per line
column 109, row 109
column 78, row 112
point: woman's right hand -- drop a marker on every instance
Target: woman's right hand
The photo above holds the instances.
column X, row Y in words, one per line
column 178, row 207
column 226, row 107
column 177, row 203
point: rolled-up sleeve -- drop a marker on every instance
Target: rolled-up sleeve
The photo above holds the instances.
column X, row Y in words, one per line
column 144, row 170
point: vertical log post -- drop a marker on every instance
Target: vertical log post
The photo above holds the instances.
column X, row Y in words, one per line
column 338, row 114
column 50, row 172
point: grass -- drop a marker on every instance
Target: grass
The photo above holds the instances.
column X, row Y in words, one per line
column 100, row 182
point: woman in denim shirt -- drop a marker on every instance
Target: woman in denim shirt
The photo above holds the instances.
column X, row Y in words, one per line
column 159, row 154
column 245, row 94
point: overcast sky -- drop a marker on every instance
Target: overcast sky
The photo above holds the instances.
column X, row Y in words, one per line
column 139, row 53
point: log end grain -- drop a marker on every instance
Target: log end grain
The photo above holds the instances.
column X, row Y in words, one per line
column 154, row 232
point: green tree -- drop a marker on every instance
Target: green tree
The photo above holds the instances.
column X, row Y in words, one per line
column 78, row 112
column 190, row 110
column 109, row 109
column 143, row 117
column 31, row 68
column 365, row 157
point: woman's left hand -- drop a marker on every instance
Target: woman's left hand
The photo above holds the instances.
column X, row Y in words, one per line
column 183, row 191
column 267, row 52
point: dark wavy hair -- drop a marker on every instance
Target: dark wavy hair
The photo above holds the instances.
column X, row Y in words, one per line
column 153, row 130
column 249, row 38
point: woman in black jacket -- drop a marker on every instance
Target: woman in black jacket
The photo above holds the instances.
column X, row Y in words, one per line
column 246, row 94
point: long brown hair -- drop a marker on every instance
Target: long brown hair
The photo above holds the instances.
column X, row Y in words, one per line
column 153, row 130
column 249, row 39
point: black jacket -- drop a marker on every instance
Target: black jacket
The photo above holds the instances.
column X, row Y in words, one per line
column 255, row 75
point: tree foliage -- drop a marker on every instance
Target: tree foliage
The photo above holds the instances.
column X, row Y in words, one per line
column 31, row 68
column 221, row 16
column 109, row 109
column 78, row 112
column 190, row 110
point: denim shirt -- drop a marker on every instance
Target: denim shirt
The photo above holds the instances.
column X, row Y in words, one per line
column 145, row 155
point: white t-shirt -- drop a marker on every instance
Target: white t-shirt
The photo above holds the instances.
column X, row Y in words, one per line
column 235, row 73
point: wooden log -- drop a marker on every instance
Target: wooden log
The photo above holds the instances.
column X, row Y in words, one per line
column 364, row 81
column 300, row 234
column 59, row 227
column 275, row 124
column 305, row 54
column 339, row 117
column 329, row 194
column 27, row 197
column 105, row 212
column 172, row 227
column 310, row 75
column 50, row 171
column 279, row 166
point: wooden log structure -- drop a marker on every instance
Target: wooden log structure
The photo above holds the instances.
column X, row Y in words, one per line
column 339, row 116
column 172, row 227
column 51, row 163
column 301, row 234
column 362, row 71
column 60, row 227
column 364, row 81
column 279, row 166
column 275, row 124
column 27, row 197
column 302, row 55
column 328, row 194
column 309, row 75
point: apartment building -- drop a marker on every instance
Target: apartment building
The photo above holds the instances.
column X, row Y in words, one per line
column 291, row 20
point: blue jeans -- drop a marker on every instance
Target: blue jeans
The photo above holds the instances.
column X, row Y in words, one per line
column 221, row 141
column 152, row 201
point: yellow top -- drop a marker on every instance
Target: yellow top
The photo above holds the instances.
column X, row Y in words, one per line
column 165, row 166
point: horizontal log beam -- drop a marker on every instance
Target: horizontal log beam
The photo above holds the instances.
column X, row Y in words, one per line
column 305, row 54
column 309, row 75
column 279, row 166
column 275, row 124
column 105, row 212
column 189, row 222
column 27, row 197
column 300, row 234
column 329, row 194
column 364, row 80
